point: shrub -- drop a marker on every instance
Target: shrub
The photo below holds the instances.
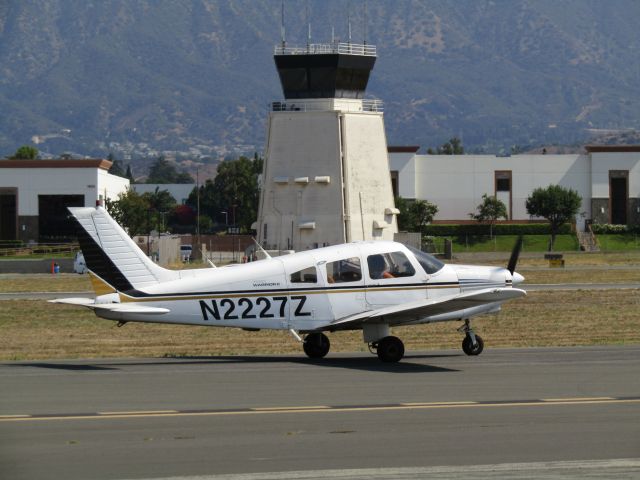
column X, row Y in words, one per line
column 607, row 228
column 500, row 229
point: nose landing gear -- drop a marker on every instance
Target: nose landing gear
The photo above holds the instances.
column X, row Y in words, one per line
column 316, row 345
column 472, row 343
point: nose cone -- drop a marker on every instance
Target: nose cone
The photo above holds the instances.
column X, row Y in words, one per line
column 517, row 278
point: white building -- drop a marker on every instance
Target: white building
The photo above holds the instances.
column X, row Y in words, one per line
column 34, row 195
column 326, row 174
column 607, row 177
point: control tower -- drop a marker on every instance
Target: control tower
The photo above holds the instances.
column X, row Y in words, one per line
column 326, row 174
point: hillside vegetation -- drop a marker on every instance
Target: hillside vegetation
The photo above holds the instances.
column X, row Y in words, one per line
column 152, row 75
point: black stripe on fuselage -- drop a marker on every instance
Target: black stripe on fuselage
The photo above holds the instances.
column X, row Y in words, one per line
column 99, row 262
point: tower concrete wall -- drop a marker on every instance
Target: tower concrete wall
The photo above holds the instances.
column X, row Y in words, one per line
column 326, row 178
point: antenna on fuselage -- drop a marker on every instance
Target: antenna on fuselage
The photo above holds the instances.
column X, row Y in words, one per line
column 266, row 254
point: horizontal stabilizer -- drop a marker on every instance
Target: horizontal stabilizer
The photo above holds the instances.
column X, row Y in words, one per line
column 111, row 307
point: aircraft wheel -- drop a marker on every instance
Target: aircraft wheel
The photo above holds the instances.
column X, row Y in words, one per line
column 390, row 349
column 316, row 345
column 469, row 349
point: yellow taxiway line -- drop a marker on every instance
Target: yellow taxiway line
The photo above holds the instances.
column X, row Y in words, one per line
column 321, row 408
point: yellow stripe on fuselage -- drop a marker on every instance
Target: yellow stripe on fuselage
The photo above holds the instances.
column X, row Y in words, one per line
column 100, row 287
column 124, row 298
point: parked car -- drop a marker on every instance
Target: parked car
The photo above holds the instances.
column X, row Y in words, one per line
column 185, row 253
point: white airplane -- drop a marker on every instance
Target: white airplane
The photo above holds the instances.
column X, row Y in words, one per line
column 368, row 286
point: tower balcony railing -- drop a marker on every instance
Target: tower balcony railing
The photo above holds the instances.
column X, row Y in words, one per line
column 328, row 48
column 344, row 105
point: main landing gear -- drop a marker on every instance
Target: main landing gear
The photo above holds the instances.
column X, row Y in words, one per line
column 389, row 349
column 316, row 345
column 472, row 343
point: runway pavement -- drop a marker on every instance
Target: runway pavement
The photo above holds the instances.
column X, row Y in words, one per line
column 517, row 413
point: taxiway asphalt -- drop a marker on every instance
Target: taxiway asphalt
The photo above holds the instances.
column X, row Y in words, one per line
column 513, row 413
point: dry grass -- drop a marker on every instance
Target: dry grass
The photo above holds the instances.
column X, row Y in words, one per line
column 44, row 282
column 37, row 330
column 583, row 275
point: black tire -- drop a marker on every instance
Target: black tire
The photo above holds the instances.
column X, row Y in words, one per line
column 469, row 349
column 316, row 345
column 390, row 349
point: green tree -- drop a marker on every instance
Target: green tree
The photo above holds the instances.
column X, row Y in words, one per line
column 26, row 152
column 117, row 167
column 490, row 211
column 132, row 211
column 129, row 175
column 557, row 204
column 163, row 171
column 423, row 213
column 234, row 190
column 414, row 215
column 161, row 205
column 452, row 147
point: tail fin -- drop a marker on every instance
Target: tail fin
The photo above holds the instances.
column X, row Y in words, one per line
column 111, row 254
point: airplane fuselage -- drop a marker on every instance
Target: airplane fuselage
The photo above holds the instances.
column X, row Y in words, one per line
column 298, row 291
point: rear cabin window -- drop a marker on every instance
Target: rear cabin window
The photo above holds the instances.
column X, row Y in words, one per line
column 307, row 275
column 389, row 265
column 347, row 270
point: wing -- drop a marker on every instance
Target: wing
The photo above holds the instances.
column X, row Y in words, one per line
column 415, row 311
column 111, row 307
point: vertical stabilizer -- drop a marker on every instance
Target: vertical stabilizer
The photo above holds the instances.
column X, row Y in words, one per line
column 111, row 254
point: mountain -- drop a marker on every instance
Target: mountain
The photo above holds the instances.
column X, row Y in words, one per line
column 140, row 77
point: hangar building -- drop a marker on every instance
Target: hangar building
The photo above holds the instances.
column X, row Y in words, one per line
column 34, row 195
column 607, row 177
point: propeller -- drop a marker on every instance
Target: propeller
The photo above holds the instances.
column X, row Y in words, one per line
column 515, row 253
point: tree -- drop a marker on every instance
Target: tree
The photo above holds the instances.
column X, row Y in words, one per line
column 414, row 215
column 117, row 168
column 131, row 211
column 129, row 175
column 162, row 171
column 452, row 147
column 234, row 190
column 557, row 204
column 490, row 211
column 423, row 213
column 26, row 152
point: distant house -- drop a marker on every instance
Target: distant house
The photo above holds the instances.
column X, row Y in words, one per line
column 35, row 194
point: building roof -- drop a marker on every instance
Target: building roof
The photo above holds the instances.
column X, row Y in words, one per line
column 403, row 149
column 612, row 148
column 100, row 163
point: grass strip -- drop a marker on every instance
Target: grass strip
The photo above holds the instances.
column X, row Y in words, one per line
column 34, row 329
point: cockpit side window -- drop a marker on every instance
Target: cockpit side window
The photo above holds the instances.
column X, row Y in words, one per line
column 389, row 265
column 306, row 275
column 430, row 263
column 347, row 270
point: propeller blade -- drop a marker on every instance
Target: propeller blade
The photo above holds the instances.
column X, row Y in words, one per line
column 515, row 253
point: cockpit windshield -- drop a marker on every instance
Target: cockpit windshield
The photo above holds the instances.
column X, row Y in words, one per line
column 430, row 263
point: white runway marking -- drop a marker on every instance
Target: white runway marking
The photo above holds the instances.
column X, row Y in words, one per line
column 615, row 469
